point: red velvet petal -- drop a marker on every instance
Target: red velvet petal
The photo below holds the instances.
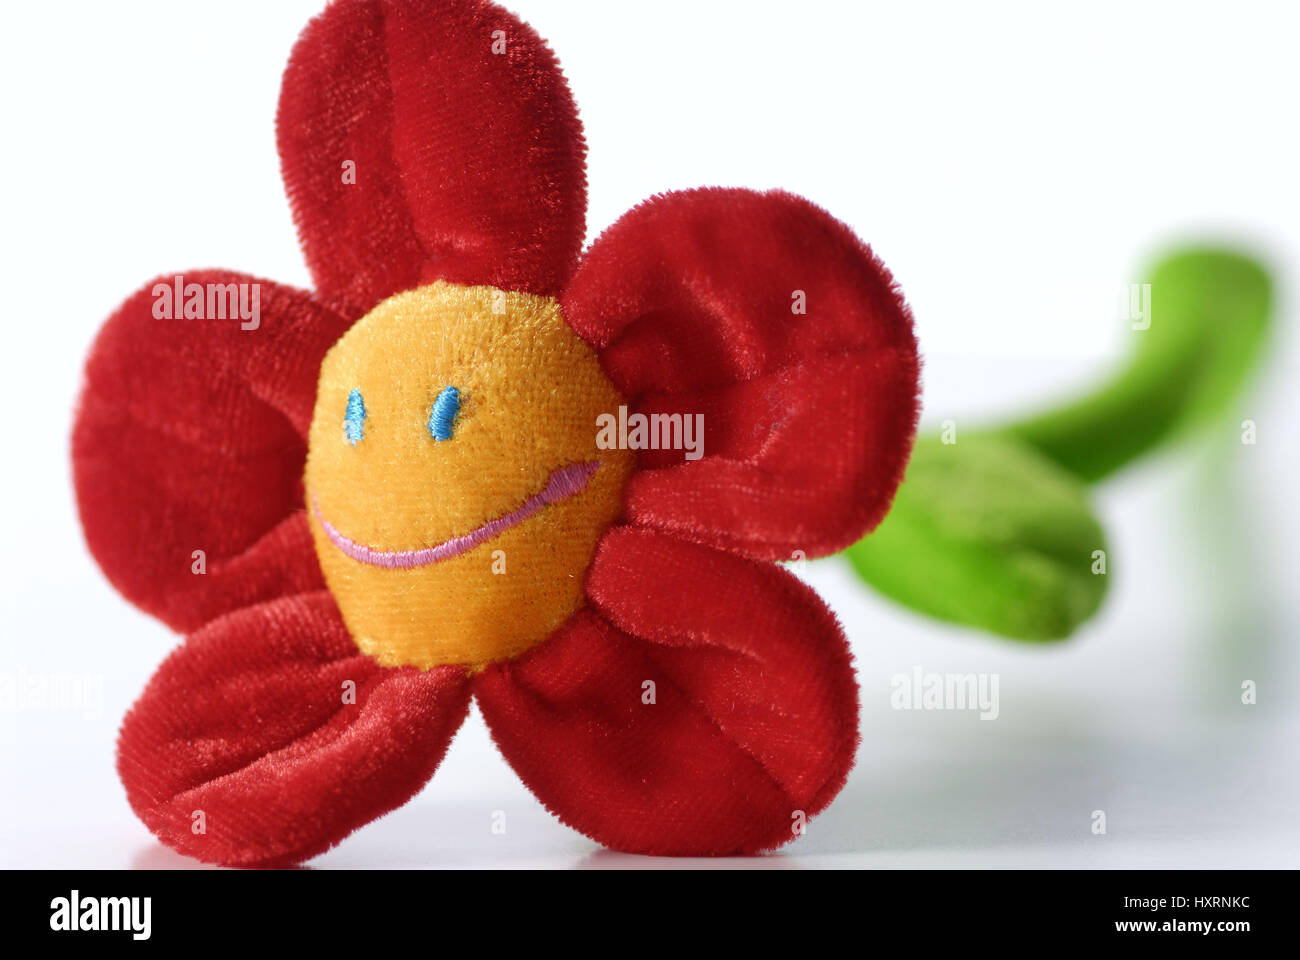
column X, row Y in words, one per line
column 190, row 436
column 247, row 723
column 469, row 164
column 755, row 712
column 808, row 418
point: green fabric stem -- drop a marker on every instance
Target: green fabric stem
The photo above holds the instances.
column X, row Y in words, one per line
column 1209, row 321
column 988, row 533
column 995, row 531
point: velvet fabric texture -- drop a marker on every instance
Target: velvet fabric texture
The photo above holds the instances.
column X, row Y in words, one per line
column 700, row 700
column 268, row 735
column 453, row 551
column 468, row 152
column 771, row 319
column 188, row 448
column 705, row 705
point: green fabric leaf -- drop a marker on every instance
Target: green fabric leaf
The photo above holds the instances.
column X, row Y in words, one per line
column 1209, row 321
column 987, row 533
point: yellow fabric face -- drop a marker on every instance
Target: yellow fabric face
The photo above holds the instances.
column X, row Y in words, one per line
column 469, row 549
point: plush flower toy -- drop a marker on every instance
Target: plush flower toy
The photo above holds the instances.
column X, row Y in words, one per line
column 466, row 465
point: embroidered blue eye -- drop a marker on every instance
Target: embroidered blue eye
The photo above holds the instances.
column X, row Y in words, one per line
column 443, row 415
column 354, row 418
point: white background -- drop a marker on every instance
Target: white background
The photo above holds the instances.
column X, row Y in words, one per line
column 1014, row 164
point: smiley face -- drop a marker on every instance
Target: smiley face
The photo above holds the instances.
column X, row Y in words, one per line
column 454, row 486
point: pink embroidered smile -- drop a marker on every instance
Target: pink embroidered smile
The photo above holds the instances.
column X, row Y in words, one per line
column 562, row 484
